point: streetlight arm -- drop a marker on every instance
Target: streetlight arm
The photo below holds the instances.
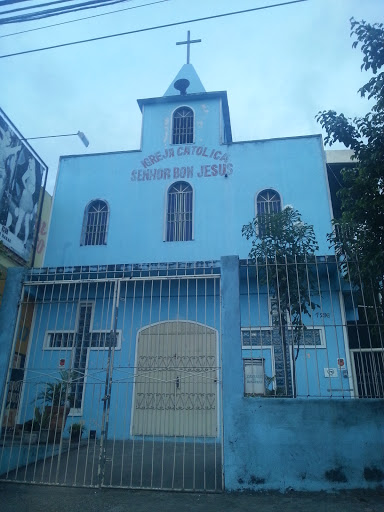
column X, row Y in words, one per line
column 80, row 134
column 83, row 138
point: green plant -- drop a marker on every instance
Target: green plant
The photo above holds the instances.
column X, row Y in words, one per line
column 58, row 393
column 41, row 420
column 283, row 250
column 359, row 235
column 76, row 430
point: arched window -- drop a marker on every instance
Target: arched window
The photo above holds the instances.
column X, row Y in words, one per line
column 182, row 126
column 268, row 202
column 95, row 223
column 179, row 212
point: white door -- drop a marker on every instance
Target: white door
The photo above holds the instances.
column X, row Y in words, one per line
column 176, row 381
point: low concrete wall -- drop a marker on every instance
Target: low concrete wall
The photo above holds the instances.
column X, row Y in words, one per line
column 17, row 457
column 305, row 445
column 274, row 443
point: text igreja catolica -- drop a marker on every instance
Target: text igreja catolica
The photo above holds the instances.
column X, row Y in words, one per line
column 220, row 167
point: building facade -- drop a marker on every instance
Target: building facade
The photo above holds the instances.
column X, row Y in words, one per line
column 152, row 328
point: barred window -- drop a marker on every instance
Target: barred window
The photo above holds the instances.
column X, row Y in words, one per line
column 268, row 202
column 95, row 223
column 182, row 128
column 179, row 212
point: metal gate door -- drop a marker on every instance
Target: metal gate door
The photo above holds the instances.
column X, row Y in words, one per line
column 176, row 381
column 115, row 379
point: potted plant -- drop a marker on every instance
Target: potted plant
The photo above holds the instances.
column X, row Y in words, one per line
column 58, row 399
column 76, row 430
column 27, row 434
column 40, row 424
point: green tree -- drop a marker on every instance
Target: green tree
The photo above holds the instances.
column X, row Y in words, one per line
column 283, row 250
column 359, row 234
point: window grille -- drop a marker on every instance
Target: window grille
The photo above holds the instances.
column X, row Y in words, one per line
column 95, row 223
column 268, row 202
column 182, row 131
column 179, row 212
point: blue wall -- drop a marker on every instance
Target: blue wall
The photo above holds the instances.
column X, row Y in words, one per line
column 305, row 444
column 222, row 205
column 142, row 303
column 282, row 444
column 225, row 178
column 326, row 318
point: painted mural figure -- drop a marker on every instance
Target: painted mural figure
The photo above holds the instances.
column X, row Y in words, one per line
column 26, row 206
column 7, row 167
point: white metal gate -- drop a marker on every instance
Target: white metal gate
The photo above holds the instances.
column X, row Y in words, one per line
column 176, row 381
column 115, row 379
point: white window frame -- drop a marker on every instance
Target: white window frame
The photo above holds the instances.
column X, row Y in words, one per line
column 165, row 232
column 353, row 365
column 85, row 224
column 48, row 333
column 320, row 328
column 193, row 125
column 256, row 202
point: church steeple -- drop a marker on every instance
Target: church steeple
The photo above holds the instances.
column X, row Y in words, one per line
column 207, row 112
column 187, row 80
column 187, row 72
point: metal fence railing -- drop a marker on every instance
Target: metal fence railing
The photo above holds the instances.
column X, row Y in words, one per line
column 116, row 378
column 310, row 329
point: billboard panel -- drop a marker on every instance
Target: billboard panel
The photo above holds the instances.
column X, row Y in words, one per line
column 22, row 174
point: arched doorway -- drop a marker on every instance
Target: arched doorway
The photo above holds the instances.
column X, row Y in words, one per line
column 176, row 390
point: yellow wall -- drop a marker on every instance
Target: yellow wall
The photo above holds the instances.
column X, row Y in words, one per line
column 43, row 231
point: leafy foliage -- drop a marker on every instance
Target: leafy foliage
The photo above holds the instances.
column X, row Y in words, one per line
column 283, row 255
column 360, row 234
column 283, row 250
column 76, row 430
column 42, row 419
column 58, row 393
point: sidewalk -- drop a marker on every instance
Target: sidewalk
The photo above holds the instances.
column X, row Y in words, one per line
column 36, row 498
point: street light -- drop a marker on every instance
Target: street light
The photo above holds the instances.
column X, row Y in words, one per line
column 79, row 134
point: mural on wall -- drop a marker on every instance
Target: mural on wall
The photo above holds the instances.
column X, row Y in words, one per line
column 21, row 177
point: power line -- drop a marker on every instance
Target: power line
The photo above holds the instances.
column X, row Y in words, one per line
column 92, row 4
column 35, row 6
column 84, row 18
column 10, row 2
column 152, row 28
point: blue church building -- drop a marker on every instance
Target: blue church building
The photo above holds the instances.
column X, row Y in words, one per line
column 151, row 332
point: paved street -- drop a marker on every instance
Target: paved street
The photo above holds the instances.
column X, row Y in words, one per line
column 35, row 498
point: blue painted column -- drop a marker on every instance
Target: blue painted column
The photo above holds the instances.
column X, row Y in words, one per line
column 8, row 316
column 232, row 369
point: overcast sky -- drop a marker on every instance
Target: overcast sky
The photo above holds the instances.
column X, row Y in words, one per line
column 279, row 66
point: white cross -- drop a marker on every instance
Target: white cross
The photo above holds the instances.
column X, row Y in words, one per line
column 188, row 42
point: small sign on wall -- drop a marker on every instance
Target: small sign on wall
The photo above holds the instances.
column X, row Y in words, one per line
column 330, row 373
column 61, row 363
column 254, row 377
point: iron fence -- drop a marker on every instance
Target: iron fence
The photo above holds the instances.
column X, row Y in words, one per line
column 116, row 378
column 310, row 329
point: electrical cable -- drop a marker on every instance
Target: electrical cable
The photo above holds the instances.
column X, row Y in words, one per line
column 147, row 29
column 36, row 6
column 59, row 10
column 334, row 175
column 10, row 2
column 84, row 18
